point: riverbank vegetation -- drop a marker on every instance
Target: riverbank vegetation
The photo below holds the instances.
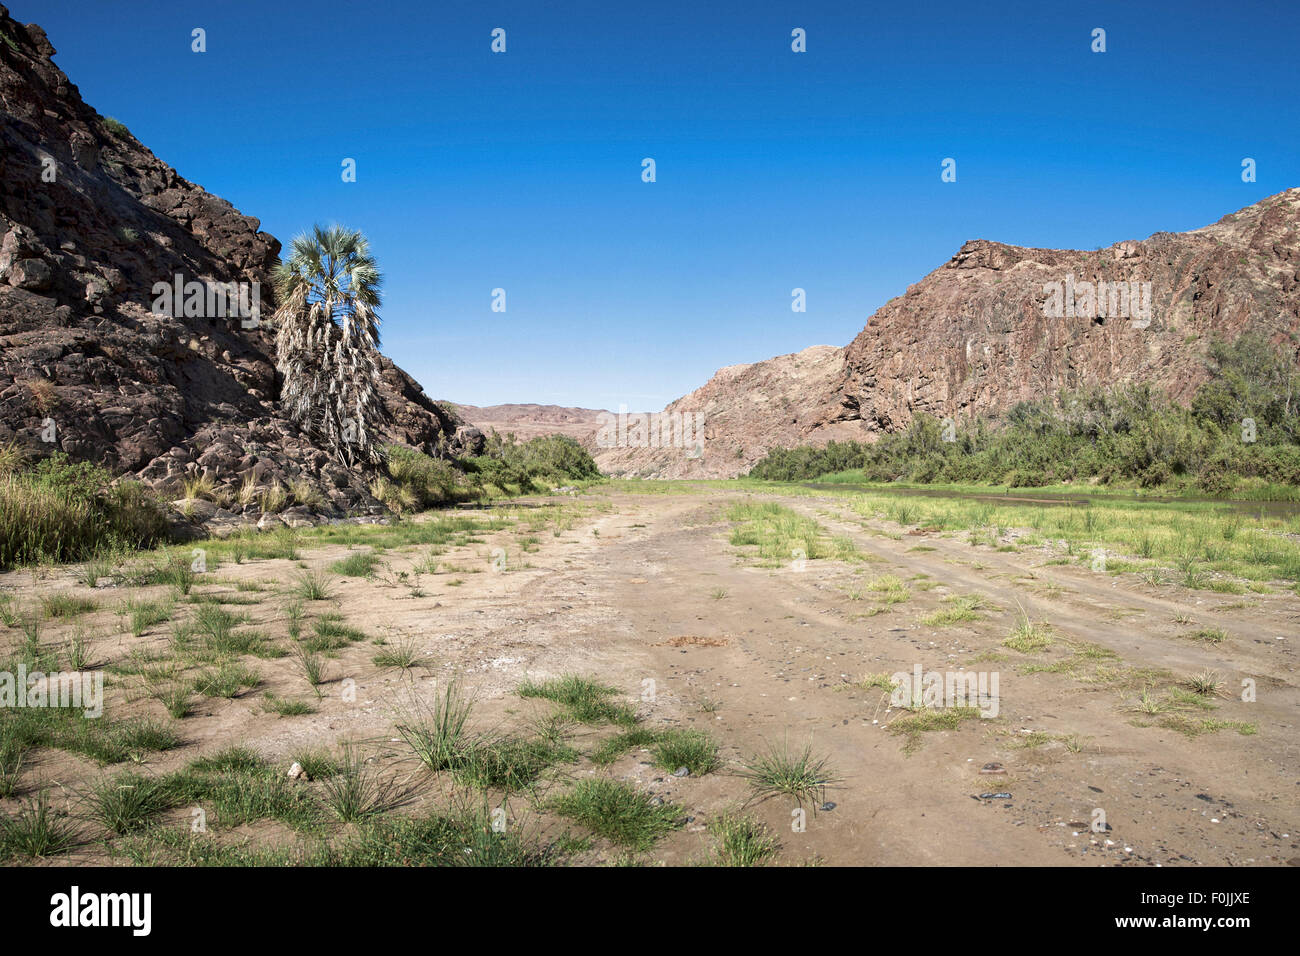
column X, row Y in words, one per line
column 60, row 510
column 1240, row 436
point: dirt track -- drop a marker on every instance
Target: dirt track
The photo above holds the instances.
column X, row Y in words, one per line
column 651, row 591
column 796, row 637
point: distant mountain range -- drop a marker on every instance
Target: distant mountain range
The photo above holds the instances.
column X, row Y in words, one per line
column 527, row 420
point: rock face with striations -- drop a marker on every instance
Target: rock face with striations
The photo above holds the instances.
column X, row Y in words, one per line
column 1000, row 324
column 90, row 220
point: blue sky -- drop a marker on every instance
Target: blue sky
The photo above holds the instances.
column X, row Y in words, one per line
column 775, row 170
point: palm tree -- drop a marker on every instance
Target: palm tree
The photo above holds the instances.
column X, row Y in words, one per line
column 327, row 340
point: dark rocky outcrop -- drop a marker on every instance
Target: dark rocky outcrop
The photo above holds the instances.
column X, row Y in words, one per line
column 90, row 220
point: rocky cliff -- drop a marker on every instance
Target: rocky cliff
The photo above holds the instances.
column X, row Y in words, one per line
column 998, row 324
column 91, row 220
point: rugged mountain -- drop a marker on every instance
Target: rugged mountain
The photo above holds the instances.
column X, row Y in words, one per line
column 998, row 324
column 91, row 220
column 529, row 421
column 743, row 410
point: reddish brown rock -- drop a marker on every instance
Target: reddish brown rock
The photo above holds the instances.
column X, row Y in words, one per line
column 527, row 420
column 971, row 339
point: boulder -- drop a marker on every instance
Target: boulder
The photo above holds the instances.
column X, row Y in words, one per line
column 195, row 509
column 35, row 275
column 269, row 522
column 468, row 440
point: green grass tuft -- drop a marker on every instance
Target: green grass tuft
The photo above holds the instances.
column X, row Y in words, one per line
column 618, row 812
column 583, row 699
